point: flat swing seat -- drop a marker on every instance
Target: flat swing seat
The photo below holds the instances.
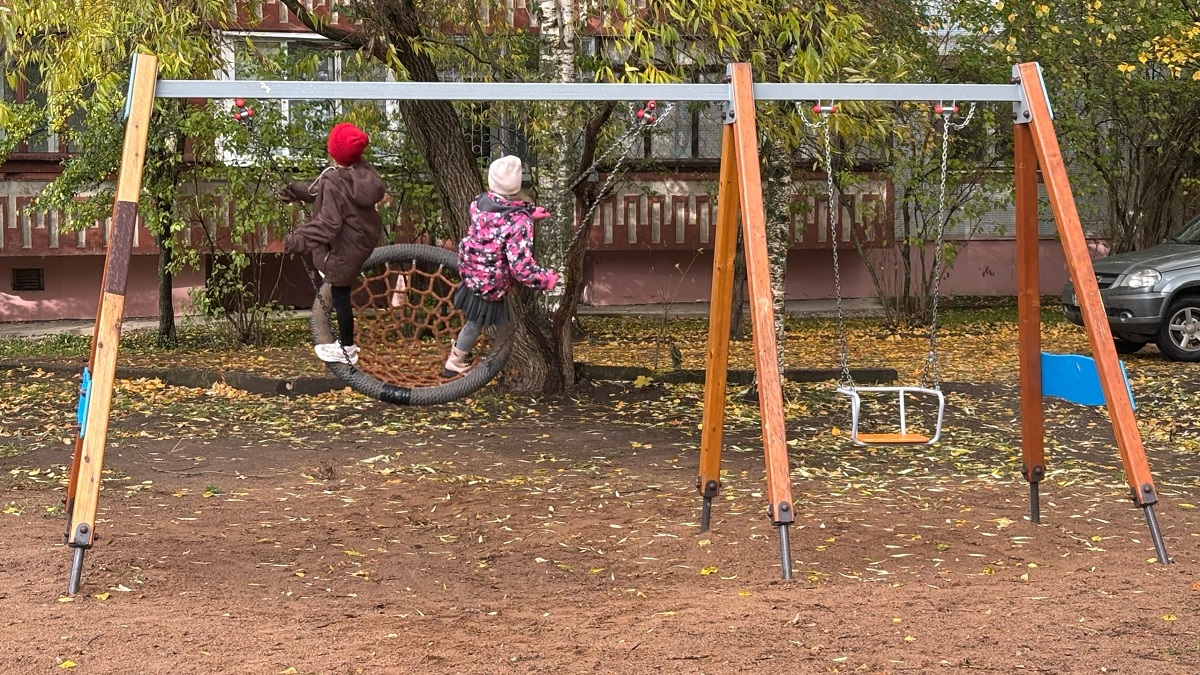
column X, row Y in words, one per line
column 903, row 437
column 894, row 439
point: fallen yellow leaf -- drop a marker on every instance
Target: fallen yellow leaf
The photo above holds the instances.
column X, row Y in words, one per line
column 102, row 596
column 67, row 664
column 1168, row 617
column 708, row 570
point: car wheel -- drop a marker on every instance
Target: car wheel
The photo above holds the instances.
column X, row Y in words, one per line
column 1179, row 335
column 1128, row 346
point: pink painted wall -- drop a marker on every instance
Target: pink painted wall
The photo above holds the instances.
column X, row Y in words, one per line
column 983, row 267
column 73, row 288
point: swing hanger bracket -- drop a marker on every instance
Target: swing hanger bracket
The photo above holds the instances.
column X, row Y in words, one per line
column 825, row 110
column 1021, row 112
column 730, row 113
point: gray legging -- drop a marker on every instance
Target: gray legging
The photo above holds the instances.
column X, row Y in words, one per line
column 467, row 337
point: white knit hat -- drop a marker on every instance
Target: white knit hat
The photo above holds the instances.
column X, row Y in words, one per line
column 504, row 175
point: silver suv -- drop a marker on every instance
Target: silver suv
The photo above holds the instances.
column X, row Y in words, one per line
column 1151, row 295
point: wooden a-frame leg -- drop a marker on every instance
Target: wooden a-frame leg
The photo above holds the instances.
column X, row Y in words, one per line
column 720, row 307
column 741, row 192
column 762, row 312
column 84, row 488
column 1029, row 321
column 1095, row 321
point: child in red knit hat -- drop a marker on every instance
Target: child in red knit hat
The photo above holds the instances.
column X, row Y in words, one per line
column 345, row 227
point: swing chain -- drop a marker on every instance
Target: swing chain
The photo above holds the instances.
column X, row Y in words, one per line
column 931, row 374
column 648, row 119
column 823, row 125
column 625, row 143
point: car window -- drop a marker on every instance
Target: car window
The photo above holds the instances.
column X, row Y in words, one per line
column 1190, row 234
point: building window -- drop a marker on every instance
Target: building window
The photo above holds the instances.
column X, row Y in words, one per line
column 28, row 279
column 26, row 87
column 307, row 58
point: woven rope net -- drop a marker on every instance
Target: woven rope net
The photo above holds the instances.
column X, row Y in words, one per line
column 406, row 322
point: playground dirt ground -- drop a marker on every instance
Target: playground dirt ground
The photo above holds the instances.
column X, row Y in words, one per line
column 330, row 534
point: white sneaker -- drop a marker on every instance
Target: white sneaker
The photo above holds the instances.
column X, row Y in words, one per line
column 334, row 352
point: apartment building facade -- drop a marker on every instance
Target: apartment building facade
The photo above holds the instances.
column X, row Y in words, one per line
column 651, row 241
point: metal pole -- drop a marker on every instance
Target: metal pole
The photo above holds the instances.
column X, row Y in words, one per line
column 581, row 91
column 785, row 552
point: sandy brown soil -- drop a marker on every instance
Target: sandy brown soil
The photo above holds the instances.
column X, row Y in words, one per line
column 559, row 539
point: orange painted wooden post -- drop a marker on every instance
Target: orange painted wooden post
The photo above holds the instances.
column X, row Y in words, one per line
column 717, row 362
column 741, row 192
column 1083, row 278
column 86, row 469
column 1029, row 320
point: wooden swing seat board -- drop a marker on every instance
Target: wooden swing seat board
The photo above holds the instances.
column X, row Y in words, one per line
column 894, row 439
column 903, row 437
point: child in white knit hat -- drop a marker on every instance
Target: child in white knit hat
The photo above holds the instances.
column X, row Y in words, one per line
column 496, row 254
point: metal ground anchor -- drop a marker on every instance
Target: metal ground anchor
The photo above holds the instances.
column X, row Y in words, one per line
column 710, row 491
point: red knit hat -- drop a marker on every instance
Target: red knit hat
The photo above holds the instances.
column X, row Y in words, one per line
column 346, row 143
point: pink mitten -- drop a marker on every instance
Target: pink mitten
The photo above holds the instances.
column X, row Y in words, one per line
column 539, row 213
column 551, row 280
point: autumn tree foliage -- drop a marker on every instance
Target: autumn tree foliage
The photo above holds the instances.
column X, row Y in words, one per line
column 1124, row 83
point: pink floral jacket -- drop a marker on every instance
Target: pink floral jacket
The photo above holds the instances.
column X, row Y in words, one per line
column 497, row 252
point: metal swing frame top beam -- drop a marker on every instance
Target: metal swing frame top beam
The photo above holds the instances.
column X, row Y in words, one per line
column 581, row 91
column 739, row 197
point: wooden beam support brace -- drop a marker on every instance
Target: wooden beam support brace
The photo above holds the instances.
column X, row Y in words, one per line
column 1083, row 277
column 762, row 313
column 88, row 464
column 717, row 362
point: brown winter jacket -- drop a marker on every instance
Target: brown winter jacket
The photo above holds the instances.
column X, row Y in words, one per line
column 345, row 227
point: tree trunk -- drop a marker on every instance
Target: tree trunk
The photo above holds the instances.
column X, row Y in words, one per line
column 556, row 32
column 434, row 125
column 737, row 312
column 436, row 129
column 166, row 287
column 777, row 204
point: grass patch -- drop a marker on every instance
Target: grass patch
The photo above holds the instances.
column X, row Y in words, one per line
column 190, row 337
column 12, row 450
column 967, row 315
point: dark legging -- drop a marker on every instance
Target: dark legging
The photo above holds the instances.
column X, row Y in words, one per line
column 345, row 314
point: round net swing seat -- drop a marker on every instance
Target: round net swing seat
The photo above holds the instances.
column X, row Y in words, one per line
column 405, row 323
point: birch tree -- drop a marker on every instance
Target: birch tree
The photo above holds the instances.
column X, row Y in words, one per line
column 784, row 42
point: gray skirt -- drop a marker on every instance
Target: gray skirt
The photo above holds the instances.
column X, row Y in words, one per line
column 480, row 311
